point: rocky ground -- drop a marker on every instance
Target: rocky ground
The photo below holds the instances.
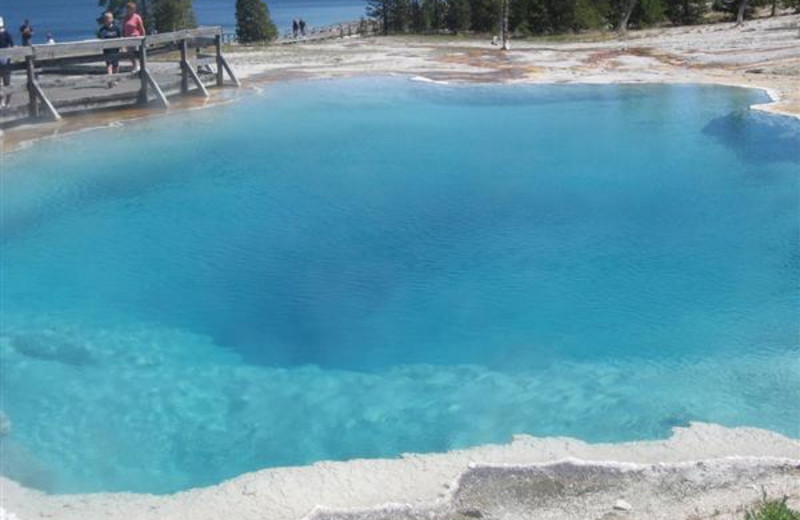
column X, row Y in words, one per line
column 763, row 53
column 701, row 472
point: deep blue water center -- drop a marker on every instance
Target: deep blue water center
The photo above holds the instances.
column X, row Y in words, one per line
column 361, row 268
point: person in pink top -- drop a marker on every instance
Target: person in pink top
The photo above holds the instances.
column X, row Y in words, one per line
column 132, row 27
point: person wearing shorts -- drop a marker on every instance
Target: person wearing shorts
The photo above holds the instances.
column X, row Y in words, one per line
column 133, row 27
column 6, row 42
column 110, row 30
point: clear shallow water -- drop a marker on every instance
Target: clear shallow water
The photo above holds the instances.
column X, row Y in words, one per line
column 75, row 19
column 367, row 267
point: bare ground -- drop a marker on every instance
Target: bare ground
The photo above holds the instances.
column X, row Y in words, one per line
column 765, row 53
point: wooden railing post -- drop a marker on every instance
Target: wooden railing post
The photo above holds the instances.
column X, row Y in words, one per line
column 220, row 69
column 33, row 98
column 143, row 72
column 184, row 67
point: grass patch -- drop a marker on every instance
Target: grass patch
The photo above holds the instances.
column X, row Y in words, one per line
column 772, row 509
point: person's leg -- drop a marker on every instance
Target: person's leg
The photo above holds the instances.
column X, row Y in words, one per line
column 110, row 72
column 134, row 62
column 5, row 100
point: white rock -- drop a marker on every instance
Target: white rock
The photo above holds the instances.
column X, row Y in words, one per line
column 5, row 515
column 621, row 505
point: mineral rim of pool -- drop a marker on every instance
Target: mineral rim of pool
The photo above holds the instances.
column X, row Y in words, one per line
column 366, row 267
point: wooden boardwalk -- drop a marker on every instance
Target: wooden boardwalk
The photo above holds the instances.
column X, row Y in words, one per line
column 48, row 81
column 332, row 32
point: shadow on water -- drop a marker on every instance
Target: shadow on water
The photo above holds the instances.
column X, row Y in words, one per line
column 757, row 138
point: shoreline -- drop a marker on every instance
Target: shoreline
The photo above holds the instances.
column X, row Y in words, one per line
column 720, row 470
column 652, row 56
column 26, row 136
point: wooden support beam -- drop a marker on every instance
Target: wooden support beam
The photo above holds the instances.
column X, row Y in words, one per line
column 190, row 72
column 33, row 100
column 229, row 71
column 162, row 99
column 184, row 67
column 143, row 74
column 220, row 71
column 54, row 115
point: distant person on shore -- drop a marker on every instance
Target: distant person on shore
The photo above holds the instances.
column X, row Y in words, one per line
column 302, row 27
column 6, row 42
column 110, row 30
column 133, row 27
column 26, row 31
column 50, row 39
column 295, row 28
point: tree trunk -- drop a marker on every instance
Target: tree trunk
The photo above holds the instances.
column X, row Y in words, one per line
column 626, row 16
column 742, row 9
column 504, row 26
column 774, row 8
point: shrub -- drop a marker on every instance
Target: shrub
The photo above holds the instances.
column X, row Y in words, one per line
column 772, row 510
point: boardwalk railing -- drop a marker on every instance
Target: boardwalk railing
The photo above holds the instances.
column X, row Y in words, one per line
column 81, row 85
column 363, row 27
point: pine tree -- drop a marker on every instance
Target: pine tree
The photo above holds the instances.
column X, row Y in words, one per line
column 253, row 23
column 686, row 12
column 173, row 15
column 458, row 16
column 625, row 9
column 484, row 14
column 792, row 4
column 591, row 14
column 400, row 16
column 420, row 23
column 379, row 10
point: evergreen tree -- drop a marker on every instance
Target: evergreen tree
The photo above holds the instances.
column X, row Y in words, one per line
column 173, row 15
column 740, row 9
column 591, row 14
column 529, row 17
column 400, row 16
column 484, row 14
column 792, row 4
column 624, row 11
column 686, row 12
column 419, row 22
column 649, row 12
column 458, row 15
column 253, row 23
column 379, row 10
column 435, row 11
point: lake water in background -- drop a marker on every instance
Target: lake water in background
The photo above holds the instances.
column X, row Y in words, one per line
column 367, row 267
column 75, row 19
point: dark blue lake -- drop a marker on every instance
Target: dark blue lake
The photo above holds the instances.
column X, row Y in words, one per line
column 75, row 19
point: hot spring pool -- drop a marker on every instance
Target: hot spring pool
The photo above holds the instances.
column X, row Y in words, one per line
column 361, row 268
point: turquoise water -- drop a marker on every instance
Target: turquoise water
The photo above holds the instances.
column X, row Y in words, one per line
column 361, row 268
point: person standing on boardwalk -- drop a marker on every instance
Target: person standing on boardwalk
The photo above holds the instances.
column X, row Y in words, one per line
column 133, row 27
column 302, row 27
column 295, row 28
column 110, row 30
column 26, row 31
column 6, row 42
